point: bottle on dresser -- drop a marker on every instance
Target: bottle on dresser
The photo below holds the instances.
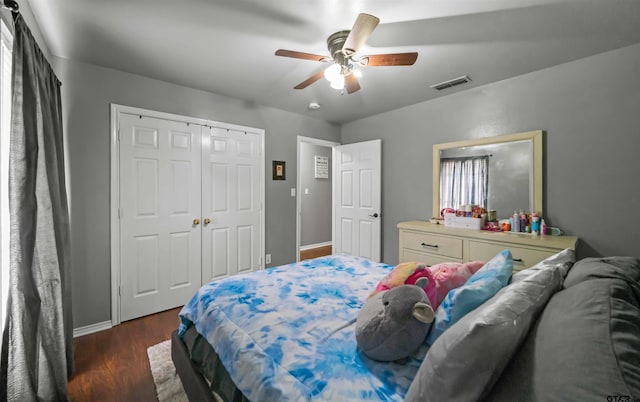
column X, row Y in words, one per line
column 535, row 223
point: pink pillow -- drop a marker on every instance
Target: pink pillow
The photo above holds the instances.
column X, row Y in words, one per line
column 450, row 275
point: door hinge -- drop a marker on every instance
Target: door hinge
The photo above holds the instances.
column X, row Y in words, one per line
column 119, row 291
column 118, row 136
column 120, row 213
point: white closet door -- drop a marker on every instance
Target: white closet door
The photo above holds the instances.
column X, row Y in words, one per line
column 159, row 199
column 231, row 201
column 357, row 203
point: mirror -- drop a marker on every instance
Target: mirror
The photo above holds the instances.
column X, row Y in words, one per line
column 512, row 167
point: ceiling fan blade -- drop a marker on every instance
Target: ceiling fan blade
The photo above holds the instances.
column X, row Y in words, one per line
column 362, row 28
column 301, row 55
column 390, row 59
column 351, row 83
column 310, row 80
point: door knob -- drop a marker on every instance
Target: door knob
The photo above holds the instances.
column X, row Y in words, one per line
column 375, row 215
column 196, row 221
column 207, row 221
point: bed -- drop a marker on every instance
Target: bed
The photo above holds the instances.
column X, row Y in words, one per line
column 293, row 324
column 287, row 334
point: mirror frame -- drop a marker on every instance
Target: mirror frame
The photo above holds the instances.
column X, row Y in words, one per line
column 535, row 136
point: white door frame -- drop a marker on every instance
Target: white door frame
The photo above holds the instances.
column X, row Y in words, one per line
column 116, row 110
column 314, row 141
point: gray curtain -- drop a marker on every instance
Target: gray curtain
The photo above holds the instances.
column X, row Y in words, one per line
column 37, row 350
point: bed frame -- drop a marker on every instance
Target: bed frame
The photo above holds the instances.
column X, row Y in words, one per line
column 194, row 384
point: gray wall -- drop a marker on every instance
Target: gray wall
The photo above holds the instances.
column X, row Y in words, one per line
column 589, row 110
column 315, row 224
column 87, row 92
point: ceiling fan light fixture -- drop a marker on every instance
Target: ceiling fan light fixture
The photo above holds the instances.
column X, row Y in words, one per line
column 333, row 72
column 338, row 83
column 356, row 72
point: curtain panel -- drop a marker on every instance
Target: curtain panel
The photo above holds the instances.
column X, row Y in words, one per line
column 37, row 350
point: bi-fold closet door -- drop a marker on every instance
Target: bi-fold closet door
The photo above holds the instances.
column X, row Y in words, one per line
column 190, row 209
column 231, row 204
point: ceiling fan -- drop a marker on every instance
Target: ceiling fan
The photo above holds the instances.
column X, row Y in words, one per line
column 343, row 46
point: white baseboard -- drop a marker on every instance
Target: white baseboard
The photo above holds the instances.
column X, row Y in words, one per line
column 90, row 329
column 317, row 245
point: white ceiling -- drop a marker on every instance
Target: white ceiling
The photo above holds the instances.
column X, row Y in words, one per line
column 227, row 46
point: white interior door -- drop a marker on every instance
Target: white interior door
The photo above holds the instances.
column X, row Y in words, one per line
column 231, row 206
column 159, row 200
column 357, row 204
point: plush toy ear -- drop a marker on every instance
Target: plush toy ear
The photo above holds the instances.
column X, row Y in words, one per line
column 422, row 282
column 423, row 312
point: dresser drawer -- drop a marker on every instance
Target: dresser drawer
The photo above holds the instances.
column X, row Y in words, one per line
column 522, row 257
column 432, row 244
column 429, row 259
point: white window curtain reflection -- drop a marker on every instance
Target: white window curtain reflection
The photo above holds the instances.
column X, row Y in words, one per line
column 464, row 181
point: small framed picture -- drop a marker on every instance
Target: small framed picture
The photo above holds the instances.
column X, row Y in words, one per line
column 278, row 170
column 321, row 167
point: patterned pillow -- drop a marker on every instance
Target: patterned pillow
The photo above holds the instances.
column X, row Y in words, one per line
column 482, row 285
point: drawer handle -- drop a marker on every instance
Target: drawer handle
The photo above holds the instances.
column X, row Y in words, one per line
column 518, row 260
column 429, row 245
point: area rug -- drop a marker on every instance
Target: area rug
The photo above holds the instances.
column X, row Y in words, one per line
column 168, row 384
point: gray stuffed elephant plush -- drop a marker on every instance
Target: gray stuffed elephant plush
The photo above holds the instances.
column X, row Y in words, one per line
column 393, row 324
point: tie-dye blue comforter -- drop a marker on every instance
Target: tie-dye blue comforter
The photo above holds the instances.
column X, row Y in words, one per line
column 274, row 332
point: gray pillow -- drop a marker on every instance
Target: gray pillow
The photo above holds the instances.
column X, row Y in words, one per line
column 584, row 347
column 563, row 261
column 625, row 268
column 464, row 363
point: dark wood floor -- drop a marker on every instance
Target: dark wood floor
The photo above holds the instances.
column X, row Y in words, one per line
column 112, row 365
column 315, row 252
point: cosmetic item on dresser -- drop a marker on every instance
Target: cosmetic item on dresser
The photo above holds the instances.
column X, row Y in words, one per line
column 515, row 226
column 524, row 222
column 535, row 223
column 492, row 215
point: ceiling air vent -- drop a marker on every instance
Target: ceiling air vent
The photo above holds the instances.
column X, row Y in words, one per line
column 451, row 83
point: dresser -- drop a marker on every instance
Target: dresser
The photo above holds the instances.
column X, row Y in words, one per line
column 434, row 243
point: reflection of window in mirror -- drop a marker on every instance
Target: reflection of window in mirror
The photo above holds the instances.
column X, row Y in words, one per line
column 464, row 181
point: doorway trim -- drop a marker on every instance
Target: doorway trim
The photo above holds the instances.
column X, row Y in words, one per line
column 114, row 208
column 314, row 141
